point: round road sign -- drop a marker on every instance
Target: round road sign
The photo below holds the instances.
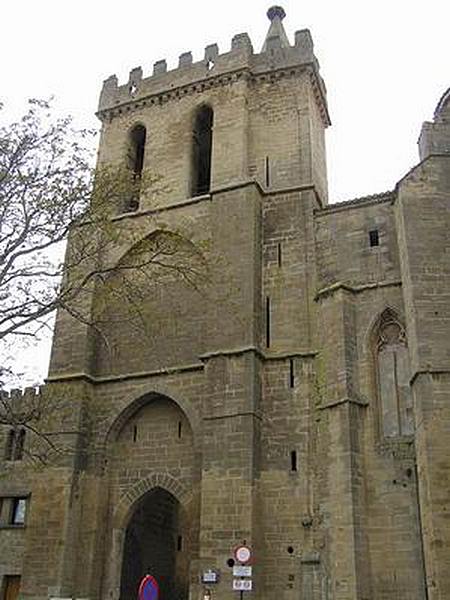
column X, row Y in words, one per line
column 148, row 589
column 242, row 554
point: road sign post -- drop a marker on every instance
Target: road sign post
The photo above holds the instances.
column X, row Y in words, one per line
column 242, row 555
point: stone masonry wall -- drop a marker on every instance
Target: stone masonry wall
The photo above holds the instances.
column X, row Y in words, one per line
column 255, row 402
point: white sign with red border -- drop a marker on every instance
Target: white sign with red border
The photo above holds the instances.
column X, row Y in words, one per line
column 242, row 554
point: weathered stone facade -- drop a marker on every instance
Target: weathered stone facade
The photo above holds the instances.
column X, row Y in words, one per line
column 303, row 407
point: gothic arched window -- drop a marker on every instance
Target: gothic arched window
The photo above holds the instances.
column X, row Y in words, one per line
column 393, row 374
column 136, row 153
column 201, row 151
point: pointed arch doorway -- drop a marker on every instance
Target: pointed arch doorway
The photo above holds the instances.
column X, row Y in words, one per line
column 154, row 544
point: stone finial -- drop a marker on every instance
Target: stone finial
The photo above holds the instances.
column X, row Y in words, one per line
column 442, row 112
column 273, row 42
column 276, row 11
column 435, row 136
column 276, row 15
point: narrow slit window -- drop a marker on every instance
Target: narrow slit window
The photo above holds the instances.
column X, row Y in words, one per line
column 374, row 238
column 137, row 150
column 135, row 433
column 179, row 429
column 179, row 543
column 291, row 373
column 268, row 323
column 279, row 255
column 267, row 171
column 293, row 460
column 9, row 450
column 20, row 443
column 201, row 151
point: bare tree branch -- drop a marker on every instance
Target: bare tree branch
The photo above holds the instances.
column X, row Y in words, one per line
column 50, row 195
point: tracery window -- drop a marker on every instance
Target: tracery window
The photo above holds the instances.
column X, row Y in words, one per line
column 393, row 374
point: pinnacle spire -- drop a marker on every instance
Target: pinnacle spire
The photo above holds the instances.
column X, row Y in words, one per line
column 276, row 31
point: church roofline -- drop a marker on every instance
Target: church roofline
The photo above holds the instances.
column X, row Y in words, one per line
column 378, row 198
column 417, row 166
column 388, row 196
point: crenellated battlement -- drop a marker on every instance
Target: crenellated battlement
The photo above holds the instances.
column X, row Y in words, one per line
column 21, row 394
column 19, row 405
column 215, row 69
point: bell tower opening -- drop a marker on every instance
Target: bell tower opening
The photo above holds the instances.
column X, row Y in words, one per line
column 136, row 152
column 201, row 151
column 152, row 547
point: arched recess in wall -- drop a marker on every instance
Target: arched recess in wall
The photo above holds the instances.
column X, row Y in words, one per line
column 152, row 435
column 140, row 306
column 133, row 407
column 152, row 470
column 392, row 375
column 137, row 137
column 202, row 137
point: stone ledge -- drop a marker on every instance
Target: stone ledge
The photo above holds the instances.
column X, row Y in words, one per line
column 247, row 413
column 354, row 289
column 267, row 356
column 209, row 197
column 429, row 372
column 334, row 403
column 126, row 376
column 183, row 368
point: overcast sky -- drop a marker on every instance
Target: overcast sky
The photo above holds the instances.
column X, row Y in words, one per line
column 385, row 64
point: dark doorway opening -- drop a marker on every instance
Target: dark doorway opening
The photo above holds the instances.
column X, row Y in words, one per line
column 152, row 548
column 11, row 587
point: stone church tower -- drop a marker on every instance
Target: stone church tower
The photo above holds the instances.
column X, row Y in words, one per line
column 300, row 405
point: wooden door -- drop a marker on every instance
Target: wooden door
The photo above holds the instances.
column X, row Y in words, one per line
column 12, row 587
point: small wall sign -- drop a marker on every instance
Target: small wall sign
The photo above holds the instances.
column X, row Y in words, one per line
column 242, row 585
column 242, row 571
column 210, row 576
